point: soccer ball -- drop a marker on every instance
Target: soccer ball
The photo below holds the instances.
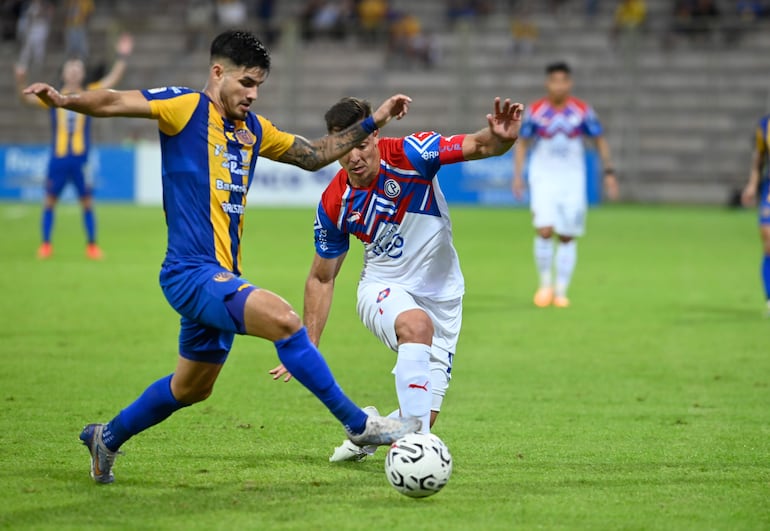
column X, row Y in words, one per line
column 418, row 465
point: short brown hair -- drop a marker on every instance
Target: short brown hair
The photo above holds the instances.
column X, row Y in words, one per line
column 346, row 112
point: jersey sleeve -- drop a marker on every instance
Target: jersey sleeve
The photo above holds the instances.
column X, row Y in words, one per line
column 330, row 241
column 172, row 107
column 591, row 125
column 428, row 151
column 527, row 129
column 274, row 141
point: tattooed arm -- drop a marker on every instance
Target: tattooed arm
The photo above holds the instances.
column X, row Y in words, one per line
column 315, row 154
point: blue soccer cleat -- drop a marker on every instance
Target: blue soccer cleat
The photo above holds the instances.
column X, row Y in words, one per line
column 102, row 458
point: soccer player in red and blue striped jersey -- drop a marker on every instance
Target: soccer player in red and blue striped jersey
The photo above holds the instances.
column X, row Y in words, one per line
column 210, row 142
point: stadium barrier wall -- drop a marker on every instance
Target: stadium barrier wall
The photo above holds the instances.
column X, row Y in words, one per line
column 132, row 174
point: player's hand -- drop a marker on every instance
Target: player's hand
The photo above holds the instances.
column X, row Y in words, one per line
column 280, row 371
column 505, row 121
column 611, row 186
column 394, row 107
column 20, row 73
column 47, row 94
column 749, row 195
column 519, row 188
column 125, row 45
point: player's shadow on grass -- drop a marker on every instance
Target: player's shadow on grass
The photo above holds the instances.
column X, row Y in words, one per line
column 697, row 313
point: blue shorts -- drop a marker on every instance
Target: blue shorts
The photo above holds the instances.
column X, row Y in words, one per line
column 764, row 203
column 211, row 301
column 67, row 170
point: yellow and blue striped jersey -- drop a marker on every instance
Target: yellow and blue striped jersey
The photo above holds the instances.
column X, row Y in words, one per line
column 207, row 166
column 70, row 131
column 763, row 145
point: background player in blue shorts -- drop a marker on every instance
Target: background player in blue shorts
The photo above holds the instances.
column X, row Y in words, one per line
column 210, row 143
column 71, row 138
column 759, row 182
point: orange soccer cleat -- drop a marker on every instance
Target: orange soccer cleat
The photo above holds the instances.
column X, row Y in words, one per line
column 543, row 297
column 44, row 251
column 93, row 252
column 561, row 302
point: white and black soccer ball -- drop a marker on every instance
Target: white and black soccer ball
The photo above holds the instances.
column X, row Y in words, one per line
column 418, row 465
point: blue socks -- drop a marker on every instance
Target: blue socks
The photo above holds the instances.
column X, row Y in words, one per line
column 155, row 405
column 302, row 359
column 766, row 275
column 90, row 224
column 47, row 224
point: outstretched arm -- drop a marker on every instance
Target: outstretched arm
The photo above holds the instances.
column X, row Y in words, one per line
column 123, row 49
column 100, row 102
column 319, row 289
column 315, row 154
column 499, row 135
column 519, row 158
column 749, row 194
column 610, row 179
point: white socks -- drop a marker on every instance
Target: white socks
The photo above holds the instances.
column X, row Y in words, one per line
column 566, row 258
column 544, row 260
column 413, row 387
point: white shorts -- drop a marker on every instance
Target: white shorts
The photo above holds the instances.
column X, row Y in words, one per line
column 566, row 214
column 378, row 307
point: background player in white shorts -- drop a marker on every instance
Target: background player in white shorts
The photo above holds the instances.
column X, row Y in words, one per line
column 410, row 294
column 557, row 126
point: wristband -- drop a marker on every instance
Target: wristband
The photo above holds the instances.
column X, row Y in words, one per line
column 369, row 125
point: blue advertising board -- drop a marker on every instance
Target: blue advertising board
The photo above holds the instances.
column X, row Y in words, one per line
column 488, row 181
column 23, row 170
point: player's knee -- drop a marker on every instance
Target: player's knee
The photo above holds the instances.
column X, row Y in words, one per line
column 414, row 326
column 192, row 395
column 545, row 232
column 286, row 323
column 565, row 239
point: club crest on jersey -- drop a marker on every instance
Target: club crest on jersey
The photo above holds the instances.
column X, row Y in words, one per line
column 392, row 188
column 223, row 276
column 383, row 295
column 244, row 136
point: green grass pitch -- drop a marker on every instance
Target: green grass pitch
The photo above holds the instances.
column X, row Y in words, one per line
column 646, row 405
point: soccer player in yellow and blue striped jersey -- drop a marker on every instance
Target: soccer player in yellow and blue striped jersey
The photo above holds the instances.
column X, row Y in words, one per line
column 210, row 143
column 759, row 183
column 70, row 143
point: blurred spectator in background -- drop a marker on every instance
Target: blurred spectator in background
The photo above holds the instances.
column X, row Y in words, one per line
column 592, row 8
column 372, row 18
column 78, row 12
column 199, row 15
column 10, row 13
column 466, row 9
column 33, row 28
column 409, row 44
column 524, row 32
column 265, row 12
column 231, row 13
column 630, row 16
column 749, row 10
column 705, row 19
column 327, row 18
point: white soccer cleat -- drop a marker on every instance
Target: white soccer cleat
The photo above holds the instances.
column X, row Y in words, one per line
column 380, row 431
column 349, row 451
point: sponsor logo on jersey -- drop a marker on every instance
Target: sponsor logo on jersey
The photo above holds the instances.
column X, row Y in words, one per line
column 223, row 276
column 383, row 295
column 230, row 187
column 392, row 188
column 231, row 208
